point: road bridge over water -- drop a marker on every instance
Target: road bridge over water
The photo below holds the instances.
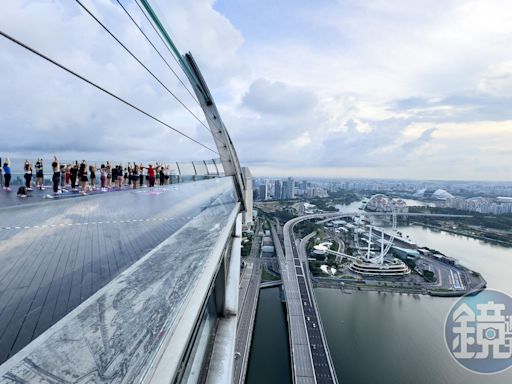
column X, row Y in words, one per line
column 334, row 216
column 311, row 362
column 270, row 284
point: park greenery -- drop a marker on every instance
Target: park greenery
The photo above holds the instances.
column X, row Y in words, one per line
column 478, row 225
column 501, row 222
column 284, row 216
column 323, row 205
column 247, row 245
column 343, row 197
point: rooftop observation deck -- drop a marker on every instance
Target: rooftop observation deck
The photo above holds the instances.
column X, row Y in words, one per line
column 92, row 289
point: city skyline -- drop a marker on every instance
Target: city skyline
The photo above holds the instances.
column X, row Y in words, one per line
column 365, row 89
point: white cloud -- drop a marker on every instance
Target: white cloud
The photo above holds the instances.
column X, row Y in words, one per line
column 498, row 80
column 381, row 85
column 47, row 110
column 278, row 98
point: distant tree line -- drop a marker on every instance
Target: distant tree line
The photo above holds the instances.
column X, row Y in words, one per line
column 501, row 222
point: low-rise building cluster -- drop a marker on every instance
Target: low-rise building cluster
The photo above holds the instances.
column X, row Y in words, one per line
column 487, row 205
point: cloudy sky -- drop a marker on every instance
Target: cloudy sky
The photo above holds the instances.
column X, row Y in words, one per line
column 394, row 89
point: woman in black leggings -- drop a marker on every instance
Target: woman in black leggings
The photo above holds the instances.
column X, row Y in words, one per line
column 82, row 174
column 73, row 176
column 56, row 175
column 28, row 175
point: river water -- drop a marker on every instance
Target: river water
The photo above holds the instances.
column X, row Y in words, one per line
column 269, row 361
column 380, row 338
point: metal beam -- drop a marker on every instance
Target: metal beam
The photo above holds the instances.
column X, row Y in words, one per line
column 227, row 152
column 225, row 146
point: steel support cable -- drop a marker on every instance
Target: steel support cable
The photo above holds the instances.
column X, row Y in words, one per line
column 211, row 119
column 99, row 87
column 157, row 51
column 142, row 64
column 158, row 34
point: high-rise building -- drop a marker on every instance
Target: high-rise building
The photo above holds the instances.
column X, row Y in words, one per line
column 263, row 192
column 290, row 192
column 304, row 186
column 278, row 190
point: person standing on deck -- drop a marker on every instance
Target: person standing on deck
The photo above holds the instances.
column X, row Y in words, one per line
column 68, row 175
column 162, row 175
column 130, row 174
column 119, row 176
column 82, row 174
column 39, row 174
column 135, row 176
column 103, row 177
column 114, row 175
column 167, row 173
column 109, row 175
column 73, row 176
column 125, row 176
column 151, row 176
column 141, row 175
column 62, row 177
column 56, row 175
column 92, row 183
column 7, row 174
column 28, row 175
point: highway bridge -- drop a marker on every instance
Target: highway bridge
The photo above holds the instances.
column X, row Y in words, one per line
column 333, row 216
column 322, row 364
column 310, row 358
column 270, row 284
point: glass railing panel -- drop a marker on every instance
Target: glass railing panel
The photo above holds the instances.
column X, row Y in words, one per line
column 201, row 168
column 212, row 167
column 115, row 335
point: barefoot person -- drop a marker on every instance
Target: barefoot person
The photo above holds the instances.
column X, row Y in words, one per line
column 27, row 168
column 7, row 174
column 151, row 176
column 62, row 177
column 103, row 177
column 73, row 176
column 162, row 175
column 109, row 175
column 68, row 175
column 39, row 174
column 119, row 176
column 82, row 174
column 56, row 175
column 92, row 181
column 135, row 176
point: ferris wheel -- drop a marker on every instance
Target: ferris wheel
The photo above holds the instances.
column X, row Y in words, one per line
column 361, row 227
